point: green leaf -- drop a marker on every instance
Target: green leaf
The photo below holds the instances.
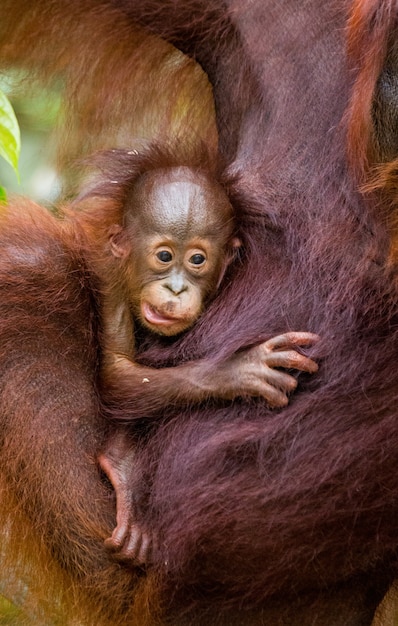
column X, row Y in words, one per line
column 10, row 139
column 3, row 195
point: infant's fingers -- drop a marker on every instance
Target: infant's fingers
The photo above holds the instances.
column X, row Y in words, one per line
column 291, row 339
column 132, row 547
column 118, row 537
column 292, row 360
column 143, row 555
column 280, row 380
column 275, row 397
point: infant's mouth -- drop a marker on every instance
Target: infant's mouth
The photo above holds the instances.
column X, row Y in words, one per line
column 156, row 317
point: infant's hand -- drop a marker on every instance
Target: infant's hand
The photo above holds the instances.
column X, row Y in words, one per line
column 256, row 375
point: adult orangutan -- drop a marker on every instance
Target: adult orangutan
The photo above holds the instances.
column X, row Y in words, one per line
column 280, row 517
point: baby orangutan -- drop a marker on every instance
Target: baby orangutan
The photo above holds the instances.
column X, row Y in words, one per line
column 162, row 262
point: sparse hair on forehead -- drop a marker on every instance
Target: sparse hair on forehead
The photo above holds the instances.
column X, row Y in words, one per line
column 121, row 176
column 149, row 181
column 210, row 215
column 115, row 173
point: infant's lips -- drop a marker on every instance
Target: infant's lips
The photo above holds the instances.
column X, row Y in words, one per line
column 153, row 316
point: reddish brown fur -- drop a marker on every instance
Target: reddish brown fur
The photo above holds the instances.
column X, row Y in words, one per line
column 284, row 518
column 369, row 27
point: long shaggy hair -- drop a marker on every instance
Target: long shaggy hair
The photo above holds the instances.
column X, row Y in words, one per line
column 263, row 517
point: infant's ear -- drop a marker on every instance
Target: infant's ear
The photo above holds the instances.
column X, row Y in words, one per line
column 233, row 248
column 119, row 243
column 235, row 243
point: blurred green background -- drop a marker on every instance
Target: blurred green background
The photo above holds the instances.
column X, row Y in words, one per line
column 37, row 116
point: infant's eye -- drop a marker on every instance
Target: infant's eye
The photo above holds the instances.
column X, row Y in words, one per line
column 197, row 259
column 164, row 256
